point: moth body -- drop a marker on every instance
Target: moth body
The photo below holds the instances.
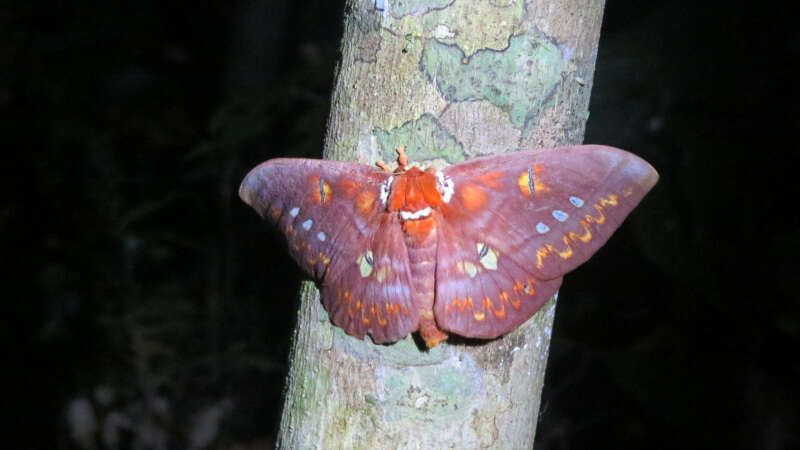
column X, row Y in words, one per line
column 414, row 196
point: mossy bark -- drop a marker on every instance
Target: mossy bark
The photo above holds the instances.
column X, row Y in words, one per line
column 448, row 80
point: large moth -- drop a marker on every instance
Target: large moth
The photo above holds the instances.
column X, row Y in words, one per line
column 473, row 249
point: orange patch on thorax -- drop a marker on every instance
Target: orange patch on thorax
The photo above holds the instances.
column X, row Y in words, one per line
column 413, row 190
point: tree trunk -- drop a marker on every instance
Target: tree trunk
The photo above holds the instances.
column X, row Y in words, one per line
column 448, row 80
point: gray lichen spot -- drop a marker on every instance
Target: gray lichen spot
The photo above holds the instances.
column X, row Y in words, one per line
column 423, row 139
column 308, row 384
column 519, row 79
column 400, row 8
column 443, row 390
column 367, row 38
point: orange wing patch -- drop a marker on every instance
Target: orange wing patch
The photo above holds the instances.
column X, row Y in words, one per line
column 529, row 183
column 364, row 202
column 349, row 187
column 524, row 182
column 491, row 179
column 472, row 196
column 321, row 191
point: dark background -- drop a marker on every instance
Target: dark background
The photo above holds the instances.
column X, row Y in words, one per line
column 139, row 292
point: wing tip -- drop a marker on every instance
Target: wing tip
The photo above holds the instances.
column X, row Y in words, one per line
column 635, row 166
column 249, row 186
column 256, row 180
column 245, row 192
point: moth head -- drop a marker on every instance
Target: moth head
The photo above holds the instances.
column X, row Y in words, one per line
column 413, row 193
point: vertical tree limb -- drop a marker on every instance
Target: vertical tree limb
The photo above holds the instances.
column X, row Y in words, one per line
column 448, row 80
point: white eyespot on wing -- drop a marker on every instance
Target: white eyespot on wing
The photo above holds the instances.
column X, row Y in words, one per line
column 445, row 186
column 424, row 212
column 365, row 264
column 321, row 236
column 576, row 201
column 294, row 211
column 542, row 228
column 307, row 224
column 560, row 215
column 487, row 256
column 386, row 188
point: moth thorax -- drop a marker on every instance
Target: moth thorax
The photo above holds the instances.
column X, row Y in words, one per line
column 414, row 194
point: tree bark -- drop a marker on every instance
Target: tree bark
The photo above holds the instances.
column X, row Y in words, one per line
column 449, row 80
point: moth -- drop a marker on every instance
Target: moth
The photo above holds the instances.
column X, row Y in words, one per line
column 473, row 249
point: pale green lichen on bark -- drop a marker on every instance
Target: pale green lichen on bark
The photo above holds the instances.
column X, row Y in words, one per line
column 343, row 150
column 350, row 418
column 519, row 79
column 423, row 139
column 401, row 8
column 481, row 24
column 308, row 383
column 392, row 90
column 307, row 377
column 417, row 393
column 472, row 25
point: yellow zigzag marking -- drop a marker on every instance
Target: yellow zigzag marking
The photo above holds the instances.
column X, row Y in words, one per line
column 612, row 200
column 548, row 249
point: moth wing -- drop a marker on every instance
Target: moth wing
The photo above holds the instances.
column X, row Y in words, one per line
column 516, row 223
column 483, row 296
column 338, row 232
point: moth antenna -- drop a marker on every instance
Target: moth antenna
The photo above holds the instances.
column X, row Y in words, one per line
column 402, row 159
column 383, row 166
